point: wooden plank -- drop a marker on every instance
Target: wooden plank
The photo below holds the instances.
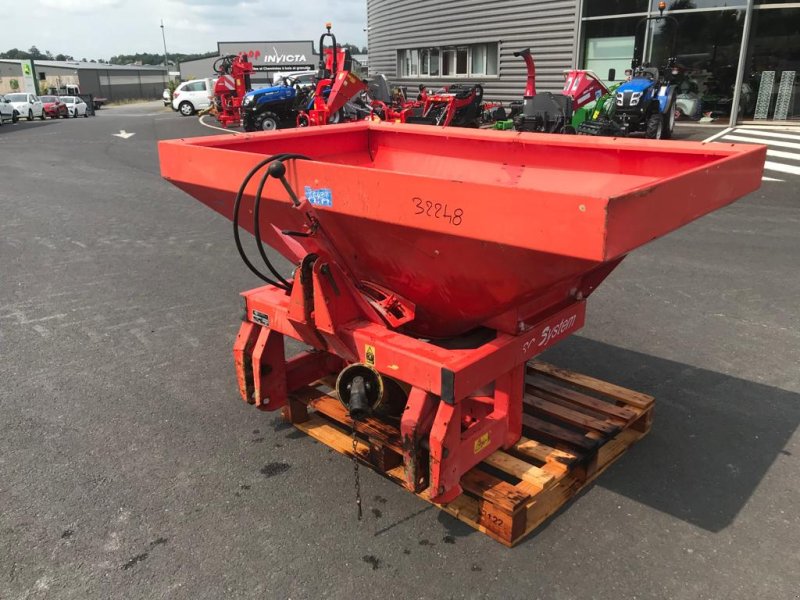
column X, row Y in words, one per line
column 481, row 515
column 520, row 469
column 544, row 453
column 573, row 417
column 372, row 428
column 562, row 434
column 612, row 450
column 625, row 395
column 332, row 436
column 625, row 413
column 506, row 497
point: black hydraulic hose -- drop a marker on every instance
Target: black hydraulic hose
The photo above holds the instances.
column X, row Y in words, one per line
column 283, row 284
column 257, row 219
column 236, row 205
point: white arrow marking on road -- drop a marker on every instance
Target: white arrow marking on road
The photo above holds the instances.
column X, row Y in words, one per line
column 123, row 134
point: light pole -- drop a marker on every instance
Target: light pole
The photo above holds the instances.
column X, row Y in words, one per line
column 166, row 57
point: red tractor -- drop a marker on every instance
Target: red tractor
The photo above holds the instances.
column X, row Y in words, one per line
column 233, row 82
column 459, row 105
column 336, row 85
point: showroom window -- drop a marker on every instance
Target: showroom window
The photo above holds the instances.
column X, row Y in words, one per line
column 673, row 5
column 609, row 45
column 771, row 86
column 450, row 61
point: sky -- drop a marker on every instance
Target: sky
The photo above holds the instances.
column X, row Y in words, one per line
column 102, row 28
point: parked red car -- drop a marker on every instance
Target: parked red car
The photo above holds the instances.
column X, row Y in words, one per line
column 54, row 107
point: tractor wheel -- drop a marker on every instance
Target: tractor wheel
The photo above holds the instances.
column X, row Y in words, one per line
column 269, row 121
column 655, row 126
column 669, row 120
column 186, row 109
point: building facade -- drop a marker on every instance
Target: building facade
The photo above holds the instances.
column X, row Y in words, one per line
column 268, row 57
column 738, row 58
column 114, row 82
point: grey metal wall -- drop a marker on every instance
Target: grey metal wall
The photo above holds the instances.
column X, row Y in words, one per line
column 120, row 84
column 548, row 27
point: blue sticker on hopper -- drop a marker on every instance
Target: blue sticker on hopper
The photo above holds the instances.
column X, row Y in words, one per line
column 320, row 197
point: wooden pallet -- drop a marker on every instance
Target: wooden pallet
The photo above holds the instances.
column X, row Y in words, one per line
column 574, row 427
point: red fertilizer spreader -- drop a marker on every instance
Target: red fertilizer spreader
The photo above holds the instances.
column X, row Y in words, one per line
column 432, row 264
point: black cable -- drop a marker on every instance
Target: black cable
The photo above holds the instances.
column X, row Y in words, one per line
column 236, row 205
column 257, row 218
column 283, row 284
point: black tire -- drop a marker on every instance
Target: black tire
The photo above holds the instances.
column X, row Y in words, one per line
column 655, row 126
column 43, row 116
column 186, row 109
column 268, row 121
column 75, row 114
column 669, row 119
column 30, row 115
column 15, row 117
column 86, row 115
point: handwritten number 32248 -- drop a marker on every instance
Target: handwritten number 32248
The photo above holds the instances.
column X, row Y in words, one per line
column 436, row 210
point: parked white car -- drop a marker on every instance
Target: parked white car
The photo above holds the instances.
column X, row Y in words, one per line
column 27, row 105
column 193, row 95
column 8, row 114
column 76, row 107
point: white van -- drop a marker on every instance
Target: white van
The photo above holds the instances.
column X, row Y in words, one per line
column 193, row 95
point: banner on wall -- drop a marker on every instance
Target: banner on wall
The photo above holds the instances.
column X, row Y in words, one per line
column 28, row 77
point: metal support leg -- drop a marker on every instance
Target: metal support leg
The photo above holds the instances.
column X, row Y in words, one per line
column 269, row 370
column 242, row 358
column 415, row 426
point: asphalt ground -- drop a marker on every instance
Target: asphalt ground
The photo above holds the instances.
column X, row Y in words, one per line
column 130, row 468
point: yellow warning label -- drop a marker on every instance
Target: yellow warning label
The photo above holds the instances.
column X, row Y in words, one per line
column 482, row 442
column 369, row 354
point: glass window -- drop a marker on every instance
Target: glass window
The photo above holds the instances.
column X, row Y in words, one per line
column 707, row 48
column 491, row 59
column 448, row 62
column 689, row 4
column 597, row 8
column 478, row 59
column 403, row 67
column 434, row 62
column 773, row 57
column 461, row 61
column 609, row 45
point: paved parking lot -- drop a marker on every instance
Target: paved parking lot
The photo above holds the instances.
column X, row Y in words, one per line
column 129, row 468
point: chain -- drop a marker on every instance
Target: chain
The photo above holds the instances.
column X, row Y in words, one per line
column 355, row 471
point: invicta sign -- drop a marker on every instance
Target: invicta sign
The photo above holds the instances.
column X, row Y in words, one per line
column 277, row 58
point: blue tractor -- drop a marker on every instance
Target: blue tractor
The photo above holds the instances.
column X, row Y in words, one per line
column 276, row 106
column 646, row 102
